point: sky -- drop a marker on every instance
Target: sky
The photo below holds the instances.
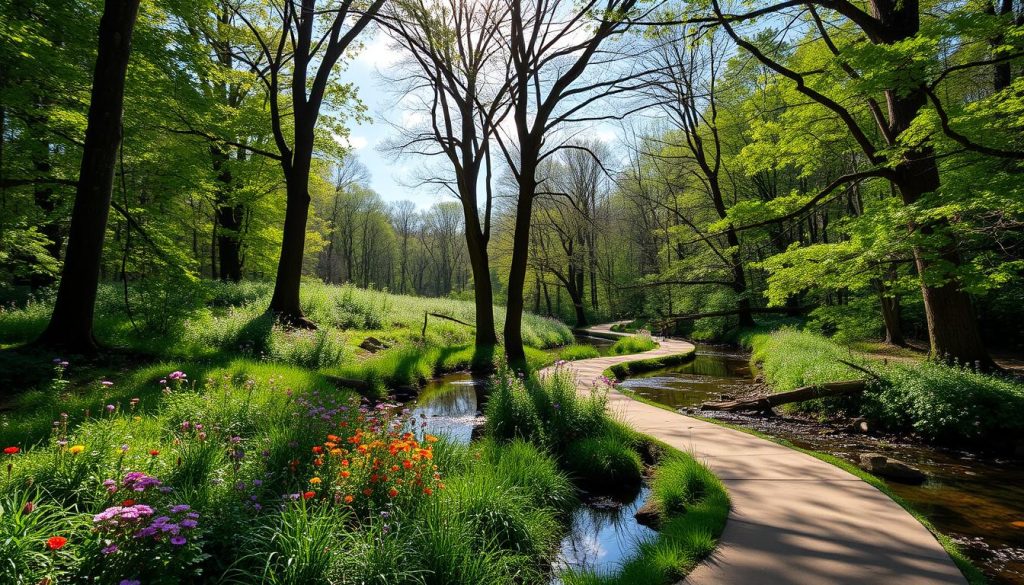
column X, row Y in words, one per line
column 366, row 138
column 386, row 172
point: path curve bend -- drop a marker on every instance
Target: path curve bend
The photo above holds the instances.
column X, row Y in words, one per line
column 795, row 519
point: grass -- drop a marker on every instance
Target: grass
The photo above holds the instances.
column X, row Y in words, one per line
column 493, row 511
column 578, row 351
column 214, row 317
column 638, row 343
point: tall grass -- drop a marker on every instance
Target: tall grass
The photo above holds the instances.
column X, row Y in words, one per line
column 638, row 343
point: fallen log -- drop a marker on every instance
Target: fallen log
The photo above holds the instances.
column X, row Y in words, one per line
column 762, row 403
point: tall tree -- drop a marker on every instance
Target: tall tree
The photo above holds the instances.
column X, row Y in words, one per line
column 298, row 45
column 455, row 60
column 71, row 324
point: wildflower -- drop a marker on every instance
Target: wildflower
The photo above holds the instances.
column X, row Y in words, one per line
column 180, row 508
column 109, row 550
column 107, row 383
column 177, row 375
column 178, row 540
column 130, row 582
column 430, row 438
column 56, row 542
column 11, row 450
column 185, row 425
column 110, row 484
column 76, row 449
column 314, row 480
column 428, row 491
column 28, row 507
column 128, row 502
column 111, row 408
column 154, row 452
column 308, row 495
column 348, row 499
column 124, row 448
column 345, row 474
column 392, row 492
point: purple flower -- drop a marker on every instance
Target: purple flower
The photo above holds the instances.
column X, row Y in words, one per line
column 124, row 448
column 178, row 540
column 109, row 550
column 107, row 383
column 185, row 425
column 111, row 408
column 130, row 582
column 110, row 484
column 180, row 508
column 188, row 524
column 177, row 375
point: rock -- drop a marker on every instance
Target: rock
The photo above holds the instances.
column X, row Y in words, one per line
column 649, row 515
column 373, row 345
column 477, row 431
column 858, row 425
column 893, row 469
column 603, row 503
column 726, row 397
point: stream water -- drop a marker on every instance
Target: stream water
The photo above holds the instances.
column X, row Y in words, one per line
column 977, row 501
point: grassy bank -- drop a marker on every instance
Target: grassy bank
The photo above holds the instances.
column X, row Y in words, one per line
column 949, row 405
column 597, row 450
column 216, row 318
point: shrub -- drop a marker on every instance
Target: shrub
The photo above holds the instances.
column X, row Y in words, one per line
column 603, row 459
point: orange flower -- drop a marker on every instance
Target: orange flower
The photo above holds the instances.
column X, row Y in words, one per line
column 407, row 464
column 318, row 462
column 128, row 502
column 348, row 499
column 367, row 492
column 314, row 480
column 154, row 452
column 430, row 438
column 333, row 438
column 56, row 542
column 395, row 468
column 345, row 474
column 392, row 492
column 308, row 495
column 428, row 491
column 318, row 449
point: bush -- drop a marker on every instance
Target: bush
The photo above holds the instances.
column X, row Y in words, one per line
column 603, row 459
column 949, row 404
column 638, row 343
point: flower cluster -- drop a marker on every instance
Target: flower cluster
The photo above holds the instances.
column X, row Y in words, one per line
column 374, row 461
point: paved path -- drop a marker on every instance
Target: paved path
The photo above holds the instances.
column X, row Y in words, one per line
column 794, row 519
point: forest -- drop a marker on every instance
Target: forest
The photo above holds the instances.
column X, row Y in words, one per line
column 192, row 221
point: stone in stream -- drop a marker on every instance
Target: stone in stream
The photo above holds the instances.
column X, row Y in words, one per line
column 649, row 515
column 893, row 469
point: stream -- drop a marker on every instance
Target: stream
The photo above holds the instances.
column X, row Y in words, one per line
column 978, row 501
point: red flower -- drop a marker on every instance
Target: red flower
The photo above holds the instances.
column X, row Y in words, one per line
column 308, row 495
column 29, row 506
column 128, row 502
column 392, row 492
column 318, row 449
column 154, row 452
column 11, row 450
column 56, row 542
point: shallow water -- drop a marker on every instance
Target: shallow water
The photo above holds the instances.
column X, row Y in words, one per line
column 977, row 501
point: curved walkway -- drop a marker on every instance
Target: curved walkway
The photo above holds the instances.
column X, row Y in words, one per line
column 794, row 519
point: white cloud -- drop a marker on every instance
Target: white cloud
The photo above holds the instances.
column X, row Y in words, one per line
column 352, row 142
column 377, row 53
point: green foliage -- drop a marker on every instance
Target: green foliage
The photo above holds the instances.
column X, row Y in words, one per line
column 603, row 458
column 953, row 405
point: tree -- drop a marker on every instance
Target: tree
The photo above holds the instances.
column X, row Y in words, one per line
column 456, row 62
column 295, row 59
column 908, row 163
column 71, row 324
column 551, row 45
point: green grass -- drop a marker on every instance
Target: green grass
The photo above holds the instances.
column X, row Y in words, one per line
column 578, row 351
column 633, row 344
column 213, row 317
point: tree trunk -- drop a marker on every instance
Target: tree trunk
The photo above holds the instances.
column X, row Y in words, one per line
column 483, row 295
column 285, row 304
column 891, row 318
column 71, row 322
column 229, row 219
column 804, row 393
column 517, row 270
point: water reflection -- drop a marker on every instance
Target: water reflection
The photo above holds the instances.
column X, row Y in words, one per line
column 452, row 406
column 602, row 536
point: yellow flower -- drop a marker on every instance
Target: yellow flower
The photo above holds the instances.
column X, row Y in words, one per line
column 314, row 480
column 137, row 418
column 76, row 449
